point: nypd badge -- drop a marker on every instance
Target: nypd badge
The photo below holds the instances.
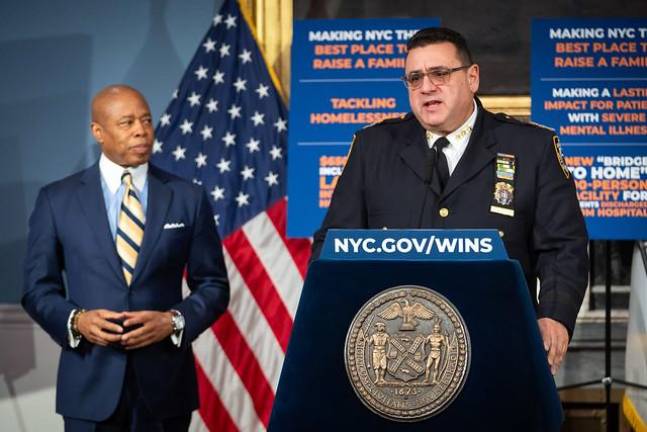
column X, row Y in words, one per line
column 503, row 193
column 407, row 353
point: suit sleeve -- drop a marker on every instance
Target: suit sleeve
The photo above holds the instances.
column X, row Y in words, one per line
column 43, row 289
column 560, row 241
column 206, row 276
column 347, row 207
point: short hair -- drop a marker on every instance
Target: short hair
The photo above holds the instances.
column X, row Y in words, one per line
column 434, row 35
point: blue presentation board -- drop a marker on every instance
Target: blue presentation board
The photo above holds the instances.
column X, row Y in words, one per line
column 589, row 83
column 346, row 74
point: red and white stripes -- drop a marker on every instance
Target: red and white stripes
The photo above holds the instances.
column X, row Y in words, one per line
column 239, row 360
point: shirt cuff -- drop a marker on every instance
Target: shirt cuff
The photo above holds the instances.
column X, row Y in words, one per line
column 72, row 339
column 176, row 338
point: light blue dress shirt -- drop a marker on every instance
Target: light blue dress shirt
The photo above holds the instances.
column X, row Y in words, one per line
column 113, row 193
column 111, row 179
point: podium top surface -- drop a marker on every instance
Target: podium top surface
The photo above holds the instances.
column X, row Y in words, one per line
column 416, row 244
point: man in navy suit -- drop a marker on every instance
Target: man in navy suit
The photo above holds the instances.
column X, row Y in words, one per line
column 107, row 251
column 452, row 164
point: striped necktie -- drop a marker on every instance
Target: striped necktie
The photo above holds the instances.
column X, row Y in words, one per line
column 130, row 228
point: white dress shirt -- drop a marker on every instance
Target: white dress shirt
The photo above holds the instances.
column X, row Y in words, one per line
column 458, row 140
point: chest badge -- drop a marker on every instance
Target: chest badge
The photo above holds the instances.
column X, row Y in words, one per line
column 503, row 194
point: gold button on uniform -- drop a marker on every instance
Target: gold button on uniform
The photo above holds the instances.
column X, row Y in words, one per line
column 444, row 212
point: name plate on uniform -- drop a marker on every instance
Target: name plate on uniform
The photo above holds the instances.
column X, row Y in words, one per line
column 419, row 244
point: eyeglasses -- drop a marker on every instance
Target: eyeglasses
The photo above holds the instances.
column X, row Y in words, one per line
column 437, row 76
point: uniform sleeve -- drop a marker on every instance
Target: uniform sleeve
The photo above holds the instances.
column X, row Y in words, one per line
column 559, row 240
column 348, row 206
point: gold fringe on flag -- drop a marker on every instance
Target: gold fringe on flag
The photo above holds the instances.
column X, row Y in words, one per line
column 633, row 417
column 271, row 24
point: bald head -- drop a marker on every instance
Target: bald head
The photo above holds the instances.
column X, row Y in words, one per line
column 122, row 125
column 104, row 98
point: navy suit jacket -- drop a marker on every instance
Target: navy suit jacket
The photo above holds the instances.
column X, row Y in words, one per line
column 72, row 263
column 386, row 184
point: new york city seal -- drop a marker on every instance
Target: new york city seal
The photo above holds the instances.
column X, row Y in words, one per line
column 407, row 353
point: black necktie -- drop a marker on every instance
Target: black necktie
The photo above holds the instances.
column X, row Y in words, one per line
column 441, row 169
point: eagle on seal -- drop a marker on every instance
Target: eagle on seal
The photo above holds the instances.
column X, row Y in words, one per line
column 408, row 311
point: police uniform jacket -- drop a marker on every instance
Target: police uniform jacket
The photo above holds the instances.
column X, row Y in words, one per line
column 387, row 184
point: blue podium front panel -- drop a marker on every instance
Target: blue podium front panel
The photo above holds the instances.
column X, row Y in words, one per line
column 508, row 384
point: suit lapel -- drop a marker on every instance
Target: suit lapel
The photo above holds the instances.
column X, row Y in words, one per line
column 159, row 200
column 90, row 195
column 478, row 154
column 416, row 153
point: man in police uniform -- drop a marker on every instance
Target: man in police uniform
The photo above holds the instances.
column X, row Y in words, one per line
column 452, row 164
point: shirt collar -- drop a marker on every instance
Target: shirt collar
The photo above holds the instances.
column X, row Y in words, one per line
column 460, row 137
column 111, row 174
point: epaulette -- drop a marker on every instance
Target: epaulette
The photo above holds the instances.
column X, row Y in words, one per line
column 509, row 119
column 390, row 120
column 539, row 125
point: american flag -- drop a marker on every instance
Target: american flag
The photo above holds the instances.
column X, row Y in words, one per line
column 226, row 129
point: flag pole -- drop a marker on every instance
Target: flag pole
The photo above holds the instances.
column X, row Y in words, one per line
column 244, row 10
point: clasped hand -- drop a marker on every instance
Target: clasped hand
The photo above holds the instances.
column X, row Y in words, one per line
column 99, row 327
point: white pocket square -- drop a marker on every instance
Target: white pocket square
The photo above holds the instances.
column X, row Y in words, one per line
column 174, row 225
